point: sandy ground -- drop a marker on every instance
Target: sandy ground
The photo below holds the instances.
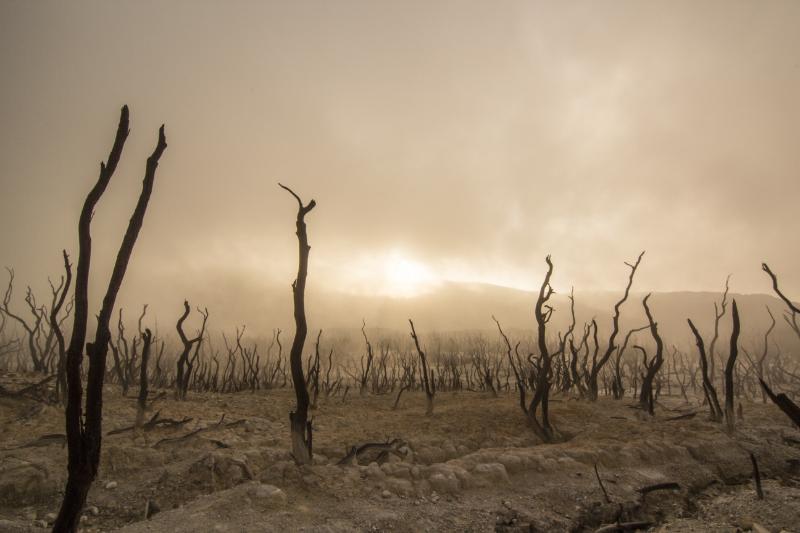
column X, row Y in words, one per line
column 472, row 466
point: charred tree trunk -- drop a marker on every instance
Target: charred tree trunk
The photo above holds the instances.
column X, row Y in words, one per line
column 793, row 309
column 730, row 415
column 61, row 376
column 84, row 434
column 365, row 368
column 184, row 365
column 541, row 396
column 646, row 397
column 300, row 425
column 428, row 383
column 141, row 403
column 791, row 409
column 708, row 385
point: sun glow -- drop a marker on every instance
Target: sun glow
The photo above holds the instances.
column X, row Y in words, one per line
column 393, row 273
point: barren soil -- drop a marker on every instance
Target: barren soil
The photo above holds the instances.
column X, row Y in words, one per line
column 472, row 466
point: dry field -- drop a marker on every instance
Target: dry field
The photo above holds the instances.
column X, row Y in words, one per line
column 472, row 466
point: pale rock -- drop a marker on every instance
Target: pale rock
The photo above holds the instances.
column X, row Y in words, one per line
column 265, row 495
column 444, row 483
column 492, row 472
column 402, row 487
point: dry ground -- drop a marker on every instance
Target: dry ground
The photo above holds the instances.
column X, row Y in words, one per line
column 472, row 466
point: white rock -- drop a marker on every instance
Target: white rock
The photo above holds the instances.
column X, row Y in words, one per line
column 111, row 485
column 267, row 495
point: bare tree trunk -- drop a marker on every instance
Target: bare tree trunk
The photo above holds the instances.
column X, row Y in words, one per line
column 646, row 397
column 541, row 395
column 790, row 409
column 300, row 426
column 147, row 338
column 429, row 384
column 61, row 378
column 730, row 415
column 84, row 435
column 708, row 384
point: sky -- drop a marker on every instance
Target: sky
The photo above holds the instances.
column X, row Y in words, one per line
column 443, row 141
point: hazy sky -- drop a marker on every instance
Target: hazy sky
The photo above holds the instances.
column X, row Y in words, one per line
column 442, row 140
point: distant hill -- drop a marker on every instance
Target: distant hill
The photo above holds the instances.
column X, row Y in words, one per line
column 459, row 306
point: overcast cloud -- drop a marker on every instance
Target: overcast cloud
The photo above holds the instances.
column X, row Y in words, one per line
column 466, row 139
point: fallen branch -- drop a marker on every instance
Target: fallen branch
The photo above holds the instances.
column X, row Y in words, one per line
column 670, row 485
column 154, row 422
column 44, row 440
column 686, row 416
column 623, row 526
column 178, row 439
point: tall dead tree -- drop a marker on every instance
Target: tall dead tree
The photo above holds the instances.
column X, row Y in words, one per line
column 597, row 365
column 541, row 396
column 300, row 425
column 708, row 385
column 730, row 415
column 84, row 433
column 646, row 400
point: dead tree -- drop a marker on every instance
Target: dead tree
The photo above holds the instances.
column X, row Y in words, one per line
column 791, row 317
column 519, row 373
column 617, row 385
column 428, row 383
column 32, row 330
column 791, row 409
column 55, row 326
column 652, row 367
column 300, row 425
column 184, row 364
column 597, row 365
column 313, row 373
column 541, row 395
column 119, row 351
column 719, row 313
column 708, row 385
column 365, row 368
column 730, row 415
column 141, row 402
column 759, row 363
column 84, row 433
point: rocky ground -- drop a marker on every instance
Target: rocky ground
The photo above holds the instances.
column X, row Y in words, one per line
column 472, row 466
